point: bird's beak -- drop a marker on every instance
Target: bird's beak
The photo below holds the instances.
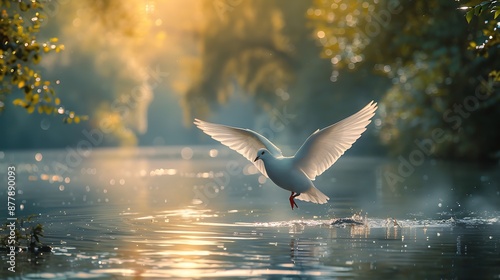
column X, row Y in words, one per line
column 256, row 159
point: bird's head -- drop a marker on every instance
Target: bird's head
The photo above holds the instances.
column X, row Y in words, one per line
column 262, row 154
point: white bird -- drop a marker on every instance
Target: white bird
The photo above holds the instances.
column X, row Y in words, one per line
column 295, row 174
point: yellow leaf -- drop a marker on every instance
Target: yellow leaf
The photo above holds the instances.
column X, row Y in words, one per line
column 59, row 48
column 47, row 83
column 30, row 109
column 57, row 101
column 28, row 96
column 20, row 84
column 35, row 98
column 77, row 119
column 40, row 109
column 53, row 40
column 69, row 120
column 19, row 102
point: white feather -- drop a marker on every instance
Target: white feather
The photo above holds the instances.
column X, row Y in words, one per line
column 322, row 149
column 244, row 141
column 313, row 195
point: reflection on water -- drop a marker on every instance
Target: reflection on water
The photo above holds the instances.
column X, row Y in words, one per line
column 152, row 214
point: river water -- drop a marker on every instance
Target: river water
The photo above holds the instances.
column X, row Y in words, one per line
column 204, row 212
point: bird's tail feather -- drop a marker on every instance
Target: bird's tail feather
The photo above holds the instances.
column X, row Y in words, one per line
column 313, row 195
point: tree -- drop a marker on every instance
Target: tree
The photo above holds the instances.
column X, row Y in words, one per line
column 20, row 52
column 488, row 39
column 234, row 50
column 441, row 92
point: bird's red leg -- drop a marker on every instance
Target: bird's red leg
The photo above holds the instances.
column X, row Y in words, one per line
column 292, row 201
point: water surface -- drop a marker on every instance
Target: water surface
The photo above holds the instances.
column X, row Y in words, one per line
column 206, row 213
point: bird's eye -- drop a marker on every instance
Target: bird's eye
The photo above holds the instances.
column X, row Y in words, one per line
column 262, row 153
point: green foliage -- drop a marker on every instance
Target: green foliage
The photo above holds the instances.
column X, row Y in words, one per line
column 340, row 28
column 438, row 84
column 491, row 6
column 24, row 232
column 486, row 41
column 20, row 52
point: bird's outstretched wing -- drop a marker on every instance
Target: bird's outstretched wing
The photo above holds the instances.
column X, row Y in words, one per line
column 322, row 149
column 244, row 141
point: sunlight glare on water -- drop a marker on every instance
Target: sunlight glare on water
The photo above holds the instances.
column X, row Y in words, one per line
column 168, row 217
